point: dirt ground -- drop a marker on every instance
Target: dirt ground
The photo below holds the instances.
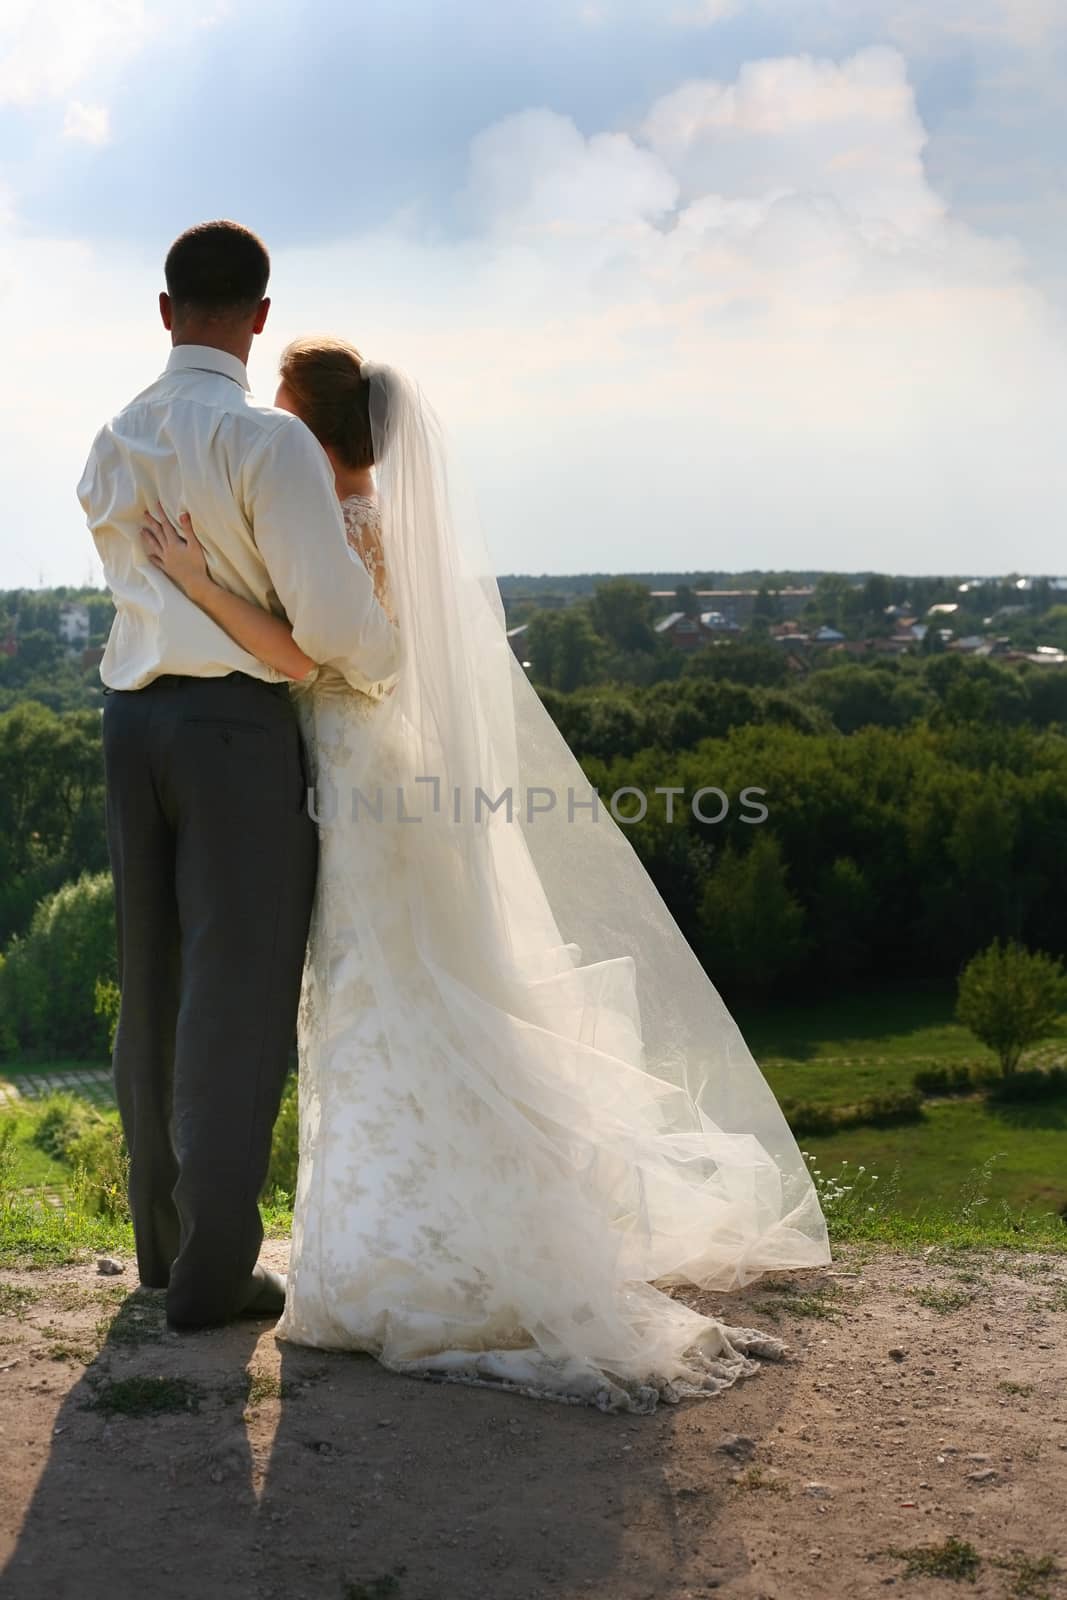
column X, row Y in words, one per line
column 924, row 1400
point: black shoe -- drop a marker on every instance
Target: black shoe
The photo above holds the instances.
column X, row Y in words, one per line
column 268, row 1298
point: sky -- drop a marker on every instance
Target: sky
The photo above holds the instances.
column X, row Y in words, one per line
column 703, row 285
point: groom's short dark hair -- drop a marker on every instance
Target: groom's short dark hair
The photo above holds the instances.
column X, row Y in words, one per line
column 217, row 269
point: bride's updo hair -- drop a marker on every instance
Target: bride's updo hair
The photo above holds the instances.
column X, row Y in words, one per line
column 323, row 376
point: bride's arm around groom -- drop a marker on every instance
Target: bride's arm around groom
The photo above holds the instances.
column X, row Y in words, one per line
column 326, row 593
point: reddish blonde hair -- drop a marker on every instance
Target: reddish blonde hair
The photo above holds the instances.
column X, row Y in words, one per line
column 323, row 376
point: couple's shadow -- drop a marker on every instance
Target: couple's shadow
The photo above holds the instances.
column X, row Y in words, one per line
column 230, row 1465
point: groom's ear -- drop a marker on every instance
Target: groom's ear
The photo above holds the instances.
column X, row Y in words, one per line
column 166, row 310
column 261, row 315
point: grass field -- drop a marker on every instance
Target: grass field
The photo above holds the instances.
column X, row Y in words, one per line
column 33, row 1167
column 838, row 1053
column 862, row 1044
column 22, row 1069
column 936, row 1159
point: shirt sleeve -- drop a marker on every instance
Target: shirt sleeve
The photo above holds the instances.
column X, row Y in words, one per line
column 299, row 530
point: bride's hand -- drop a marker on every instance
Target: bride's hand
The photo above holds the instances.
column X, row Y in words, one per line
column 176, row 552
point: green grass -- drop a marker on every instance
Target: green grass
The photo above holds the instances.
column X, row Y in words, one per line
column 1029, row 1577
column 954, row 1559
column 968, row 1175
column 15, row 1300
column 944, row 1300
column 937, row 1156
column 758, row 1478
column 839, row 1051
column 22, row 1068
column 145, row 1397
column 33, row 1168
column 784, row 1296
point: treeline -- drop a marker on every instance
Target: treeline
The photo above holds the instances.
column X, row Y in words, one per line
column 619, row 613
column 51, row 806
column 611, row 637
column 917, row 806
column 733, row 685
column 892, row 853
column 44, row 668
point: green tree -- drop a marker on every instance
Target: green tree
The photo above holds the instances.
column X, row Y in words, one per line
column 749, row 661
column 621, row 612
column 49, row 983
column 687, row 601
column 1010, row 997
column 877, row 596
column 753, row 925
column 843, row 916
column 564, row 649
column 51, row 806
column 861, row 696
column 766, row 608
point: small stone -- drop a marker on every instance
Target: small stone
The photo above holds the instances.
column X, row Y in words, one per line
column 821, row 1491
column 737, row 1445
column 108, row 1267
column 897, row 1352
column 983, row 1475
column 815, row 1554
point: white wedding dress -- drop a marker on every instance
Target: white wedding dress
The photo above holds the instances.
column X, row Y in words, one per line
column 503, row 1167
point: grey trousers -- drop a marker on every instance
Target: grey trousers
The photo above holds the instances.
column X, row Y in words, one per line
column 214, row 856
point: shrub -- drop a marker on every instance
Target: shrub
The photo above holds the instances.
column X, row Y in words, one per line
column 49, row 979
column 101, row 1168
column 1026, row 1087
column 60, row 1121
column 284, row 1151
column 8, row 1158
column 106, row 1006
column 8, row 1038
column 807, row 1118
column 1010, row 997
column 946, row 1080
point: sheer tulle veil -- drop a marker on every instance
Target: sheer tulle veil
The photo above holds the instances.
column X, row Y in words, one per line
column 570, row 1004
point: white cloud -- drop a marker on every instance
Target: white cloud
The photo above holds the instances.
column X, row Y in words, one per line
column 917, row 26
column 90, row 124
column 1028, row 24
column 535, row 173
column 49, row 47
column 849, row 129
column 705, row 13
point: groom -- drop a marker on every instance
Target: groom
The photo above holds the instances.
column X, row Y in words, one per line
column 212, row 848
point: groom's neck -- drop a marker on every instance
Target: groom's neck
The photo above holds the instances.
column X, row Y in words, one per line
column 234, row 341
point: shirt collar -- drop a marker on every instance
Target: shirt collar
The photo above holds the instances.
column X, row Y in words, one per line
column 205, row 358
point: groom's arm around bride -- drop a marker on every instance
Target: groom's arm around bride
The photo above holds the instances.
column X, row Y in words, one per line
column 212, row 849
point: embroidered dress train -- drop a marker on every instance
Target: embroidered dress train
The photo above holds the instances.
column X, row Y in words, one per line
column 525, row 1113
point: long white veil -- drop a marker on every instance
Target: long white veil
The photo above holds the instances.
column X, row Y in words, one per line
column 642, row 1143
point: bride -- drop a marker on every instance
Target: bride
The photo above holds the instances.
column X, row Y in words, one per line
column 525, row 1112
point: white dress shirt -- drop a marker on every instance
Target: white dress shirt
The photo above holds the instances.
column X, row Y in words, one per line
column 260, row 491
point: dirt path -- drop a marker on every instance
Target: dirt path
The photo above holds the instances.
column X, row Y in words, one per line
column 321, row 1476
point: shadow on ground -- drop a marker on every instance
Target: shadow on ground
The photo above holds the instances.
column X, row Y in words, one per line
column 228, row 1465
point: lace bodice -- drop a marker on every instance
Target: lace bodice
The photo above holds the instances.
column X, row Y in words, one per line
column 363, row 524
